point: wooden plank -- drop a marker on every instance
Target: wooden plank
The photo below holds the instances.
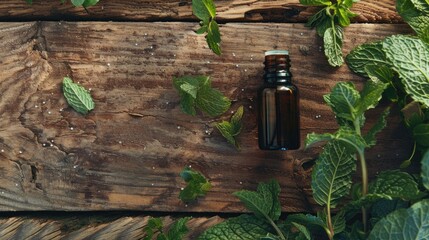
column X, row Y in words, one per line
column 121, row 228
column 57, row 159
column 382, row 11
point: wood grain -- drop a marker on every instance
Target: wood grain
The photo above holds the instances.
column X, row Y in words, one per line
column 382, row 11
column 122, row 228
column 56, row 159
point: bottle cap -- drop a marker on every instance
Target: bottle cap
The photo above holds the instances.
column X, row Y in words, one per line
column 276, row 52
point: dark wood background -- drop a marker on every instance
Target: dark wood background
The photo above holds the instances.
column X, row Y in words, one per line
column 126, row 154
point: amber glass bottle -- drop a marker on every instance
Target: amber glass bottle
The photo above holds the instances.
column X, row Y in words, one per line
column 278, row 105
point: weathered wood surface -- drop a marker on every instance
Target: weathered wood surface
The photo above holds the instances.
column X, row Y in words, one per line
column 53, row 158
column 121, row 228
column 370, row 11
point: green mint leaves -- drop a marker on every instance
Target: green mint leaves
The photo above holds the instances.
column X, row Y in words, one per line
column 197, row 92
column 155, row 226
column 404, row 55
column 197, row 185
column 231, row 129
column 265, row 204
column 77, row 97
column 205, row 10
column 329, row 23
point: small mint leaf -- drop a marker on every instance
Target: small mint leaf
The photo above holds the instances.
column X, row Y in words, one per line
column 343, row 16
column 201, row 30
column 211, row 8
column 370, row 96
column 212, row 101
column 89, row 3
column 225, row 128
column 197, row 185
column 213, row 37
column 231, row 129
column 178, row 229
column 77, row 3
column 343, row 100
column 197, row 92
column 333, row 43
column 200, row 10
column 264, row 202
column 303, row 229
column 395, row 184
column 366, row 54
column 77, row 97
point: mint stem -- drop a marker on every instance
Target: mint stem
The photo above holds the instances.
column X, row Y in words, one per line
column 279, row 232
column 364, row 170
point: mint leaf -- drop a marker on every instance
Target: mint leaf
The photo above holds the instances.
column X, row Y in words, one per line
column 77, row 3
column 197, row 92
column 197, row 185
column 378, row 126
column 200, row 10
column 339, row 222
column 370, row 96
column 178, row 229
column 303, row 229
column 425, row 170
column 238, row 228
column 212, row 101
column 264, row 202
column 307, row 220
column 386, row 75
column 343, row 100
column 353, row 207
column 321, row 21
column 410, row 58
column 205, row 10
column 421, row 134
column 343, row 16
column 404, row 224
column 315, row 2
column 417, row 19
column 331, row 177
column 213, row 37
column 366, row 54
column 77, row 97
column 230, row 130
column 395, row 184
column 313, row 138
column 153, row 226
column 333, row 43
column 421, row 5
column 89, row 3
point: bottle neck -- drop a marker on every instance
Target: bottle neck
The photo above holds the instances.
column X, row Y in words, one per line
column 277, row 69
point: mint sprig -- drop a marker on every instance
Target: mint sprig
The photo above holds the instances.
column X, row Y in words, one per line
column 231, row 129
column 205, row 10
column 197, row 185
column 77, row 96
column 196, row 92
column 329, row 23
